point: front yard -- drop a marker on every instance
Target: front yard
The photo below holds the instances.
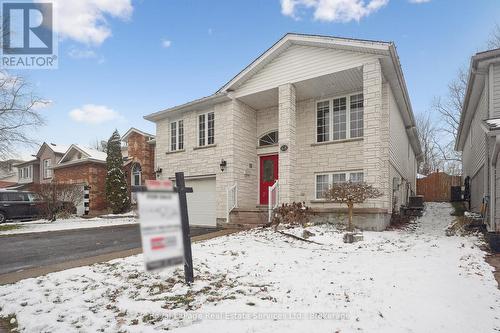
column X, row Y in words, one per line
column 416, row 280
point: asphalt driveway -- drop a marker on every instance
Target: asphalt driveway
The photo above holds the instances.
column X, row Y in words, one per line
column 26, row 251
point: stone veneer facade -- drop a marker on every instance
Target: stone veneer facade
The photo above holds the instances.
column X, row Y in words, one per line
column 238, row 128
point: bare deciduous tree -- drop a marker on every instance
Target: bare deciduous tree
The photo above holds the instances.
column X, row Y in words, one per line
column 427, row 132
column 494, row 41
column 450, row 108
column 350, row 193
column 19, row 113
column 100, row 145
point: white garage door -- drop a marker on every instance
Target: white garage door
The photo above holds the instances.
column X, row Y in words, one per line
column 201, row 203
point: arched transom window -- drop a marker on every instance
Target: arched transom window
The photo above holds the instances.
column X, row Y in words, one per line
column 269, row 139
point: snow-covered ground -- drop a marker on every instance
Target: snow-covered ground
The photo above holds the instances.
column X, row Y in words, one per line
column 65, row 224
column 262, row 281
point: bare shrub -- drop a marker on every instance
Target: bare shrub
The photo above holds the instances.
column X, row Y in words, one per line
column 294, row 214
column 350, row 193
column 59, row 200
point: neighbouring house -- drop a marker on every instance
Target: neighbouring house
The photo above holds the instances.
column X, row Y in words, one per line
column 85, row 167
column 479, row 136
column 28, row 174
column 309, row 112
column 49, row 155
column 8, row 171
column 138, row 151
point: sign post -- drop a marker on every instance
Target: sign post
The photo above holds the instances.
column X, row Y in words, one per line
column 163, row 214
column 161, row 229
column 181, row 189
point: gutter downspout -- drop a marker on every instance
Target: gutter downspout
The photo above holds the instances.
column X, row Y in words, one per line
column 496, row 151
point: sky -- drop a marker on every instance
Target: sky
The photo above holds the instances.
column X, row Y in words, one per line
column 120, row 60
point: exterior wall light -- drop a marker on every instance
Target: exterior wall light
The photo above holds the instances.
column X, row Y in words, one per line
column 158, row 172
column 222, row 165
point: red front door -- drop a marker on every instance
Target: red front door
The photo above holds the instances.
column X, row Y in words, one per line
column 268, row 175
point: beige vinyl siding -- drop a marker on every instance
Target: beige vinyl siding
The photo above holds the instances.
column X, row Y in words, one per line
column 495, row 98
column 474, row 153
column 401, row 155
column 299, row 63
column 496, row 175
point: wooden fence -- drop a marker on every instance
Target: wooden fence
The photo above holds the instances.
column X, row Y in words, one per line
column 437, row 186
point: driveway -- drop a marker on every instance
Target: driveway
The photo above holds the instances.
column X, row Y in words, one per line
column 26, row 251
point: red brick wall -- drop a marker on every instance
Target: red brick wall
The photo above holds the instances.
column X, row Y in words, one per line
column 142, row 152
column 92, row 174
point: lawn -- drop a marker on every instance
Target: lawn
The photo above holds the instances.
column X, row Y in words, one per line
column 415, row 280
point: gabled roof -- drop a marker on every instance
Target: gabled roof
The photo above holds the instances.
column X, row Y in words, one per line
column 32, row 161
column 478, row 67
column 88, row 155
column 350, row 44
column 385, row 50
column 57, row 149
column 135, row 130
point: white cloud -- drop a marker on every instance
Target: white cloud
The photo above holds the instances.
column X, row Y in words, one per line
column 165, row 43
column 419, row 1
column 86, row 21
column 94, row 114
column 333, row 10
column 77, row 53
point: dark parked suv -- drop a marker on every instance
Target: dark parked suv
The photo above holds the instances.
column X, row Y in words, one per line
column 18, row 205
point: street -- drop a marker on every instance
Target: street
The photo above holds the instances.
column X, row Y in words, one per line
column 24, row 251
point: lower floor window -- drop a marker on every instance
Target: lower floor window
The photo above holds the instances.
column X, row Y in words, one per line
column 326, row 180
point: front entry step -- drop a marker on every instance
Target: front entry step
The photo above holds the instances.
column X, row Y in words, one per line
column 247, row 218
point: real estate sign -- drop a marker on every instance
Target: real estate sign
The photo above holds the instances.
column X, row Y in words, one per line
column 161, row 229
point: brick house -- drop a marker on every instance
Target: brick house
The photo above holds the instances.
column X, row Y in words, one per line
column 309, row 112
column 85, row 167
column 138, row 150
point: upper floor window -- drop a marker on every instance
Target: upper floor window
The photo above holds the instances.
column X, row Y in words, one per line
column 206, row 129
column 47, row 171
column 269, row 139
column 339, row 118
column 177, row 135
column 136, row 174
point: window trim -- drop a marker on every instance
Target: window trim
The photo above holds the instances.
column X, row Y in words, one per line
column 177, row 136
column 135, row 173
column 206, row 144
column 46, row 168
column 330, row 179
column 330, row 122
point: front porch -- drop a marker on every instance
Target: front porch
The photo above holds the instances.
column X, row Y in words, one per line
column 282, row 142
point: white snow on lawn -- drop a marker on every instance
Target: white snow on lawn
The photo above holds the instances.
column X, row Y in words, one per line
column 393, row 281
column 66, row 224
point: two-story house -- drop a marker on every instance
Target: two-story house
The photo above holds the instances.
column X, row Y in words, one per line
column 309, row 112
column 48, row 156
column 479, row 137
